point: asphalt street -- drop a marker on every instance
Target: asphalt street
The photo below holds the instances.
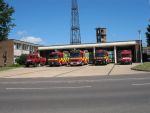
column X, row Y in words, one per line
column 103, row 94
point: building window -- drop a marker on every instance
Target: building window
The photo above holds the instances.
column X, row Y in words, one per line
column 18, row 46
column 102, row 31
column 25, row 47
column 15, row 46
column 31, row 48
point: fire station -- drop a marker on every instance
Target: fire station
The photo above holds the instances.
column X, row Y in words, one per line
column 112, row 47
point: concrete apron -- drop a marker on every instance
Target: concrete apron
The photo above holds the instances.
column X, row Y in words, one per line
column 64, row 71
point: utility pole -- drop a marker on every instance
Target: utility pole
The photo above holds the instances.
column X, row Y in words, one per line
column 141, row 58
column 75, row 37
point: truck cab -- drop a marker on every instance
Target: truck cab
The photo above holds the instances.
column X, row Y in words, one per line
column 78, row 57
column 101, row 57
column 58, row 58
column 35, row 60
column 125, row 57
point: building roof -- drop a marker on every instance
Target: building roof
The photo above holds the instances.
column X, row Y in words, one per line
column 24, row 42
column 109, row 44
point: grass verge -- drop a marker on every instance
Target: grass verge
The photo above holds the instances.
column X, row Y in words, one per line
column 142, row 67
column 14, row 66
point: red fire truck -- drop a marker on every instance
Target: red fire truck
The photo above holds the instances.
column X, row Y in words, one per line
column 78, row 57
column 35, row 60
column 125, row 57
column 101, row 57
column 58, row 58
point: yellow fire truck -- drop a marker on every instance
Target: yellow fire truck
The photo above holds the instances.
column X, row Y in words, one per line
column 58, row 58
column 78, row 57
column 101, row 57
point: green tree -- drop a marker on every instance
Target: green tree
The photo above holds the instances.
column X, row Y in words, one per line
column 21, row 59
column 5, row 20
column 148, row 35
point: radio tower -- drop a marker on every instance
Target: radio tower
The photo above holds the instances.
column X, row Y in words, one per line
column 75, row 37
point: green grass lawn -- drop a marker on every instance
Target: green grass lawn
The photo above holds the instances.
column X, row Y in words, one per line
column 10, row 67
column 142, row 67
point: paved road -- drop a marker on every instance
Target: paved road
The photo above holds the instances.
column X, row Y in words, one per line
column 105, row 94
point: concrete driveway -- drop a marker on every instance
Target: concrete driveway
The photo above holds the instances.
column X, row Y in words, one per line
column 64, row 71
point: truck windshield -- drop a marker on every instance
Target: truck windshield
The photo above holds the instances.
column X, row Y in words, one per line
column 73, row 55
column 126, row 55
column 53, row 56
column 99, row 55
column 30, row 56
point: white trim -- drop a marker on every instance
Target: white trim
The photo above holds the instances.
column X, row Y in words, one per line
column 115, row 54
column 88, row 45
column 94, row 52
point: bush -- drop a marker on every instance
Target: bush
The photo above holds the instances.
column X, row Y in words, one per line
column 22, row 59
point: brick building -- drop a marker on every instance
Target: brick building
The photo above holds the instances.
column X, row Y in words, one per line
column 11, row 49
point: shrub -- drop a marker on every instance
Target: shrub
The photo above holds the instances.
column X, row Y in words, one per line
column 22, row 59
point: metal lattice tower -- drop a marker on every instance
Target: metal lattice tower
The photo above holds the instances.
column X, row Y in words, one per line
column 75, row 37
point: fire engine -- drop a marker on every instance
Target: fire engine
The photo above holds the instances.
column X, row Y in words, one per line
column 35, row 60
column 101, row 57
column 58, row 58
column 125, row 57
column 79, row 57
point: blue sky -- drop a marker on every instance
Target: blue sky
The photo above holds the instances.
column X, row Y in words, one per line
column 48, row 21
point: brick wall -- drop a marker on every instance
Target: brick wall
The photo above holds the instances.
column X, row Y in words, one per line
column 6, row 52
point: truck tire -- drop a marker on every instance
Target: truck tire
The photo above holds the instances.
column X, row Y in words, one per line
column 105, row 62
column 27, row 65
column 82, row 63
column 35, row 64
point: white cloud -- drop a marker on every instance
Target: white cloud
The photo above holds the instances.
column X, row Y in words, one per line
column 32, row 39
column 21, row 33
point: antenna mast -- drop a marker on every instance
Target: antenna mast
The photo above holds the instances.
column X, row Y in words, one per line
column 75, row 37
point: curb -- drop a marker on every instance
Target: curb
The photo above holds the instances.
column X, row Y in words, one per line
column 140, row 70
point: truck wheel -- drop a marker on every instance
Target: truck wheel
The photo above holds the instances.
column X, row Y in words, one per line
column 82, row 63
column 105, row 62
column 43, row 63
column 35, row 64
column 95, row 63
column 27, row 65
column 60, row 64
